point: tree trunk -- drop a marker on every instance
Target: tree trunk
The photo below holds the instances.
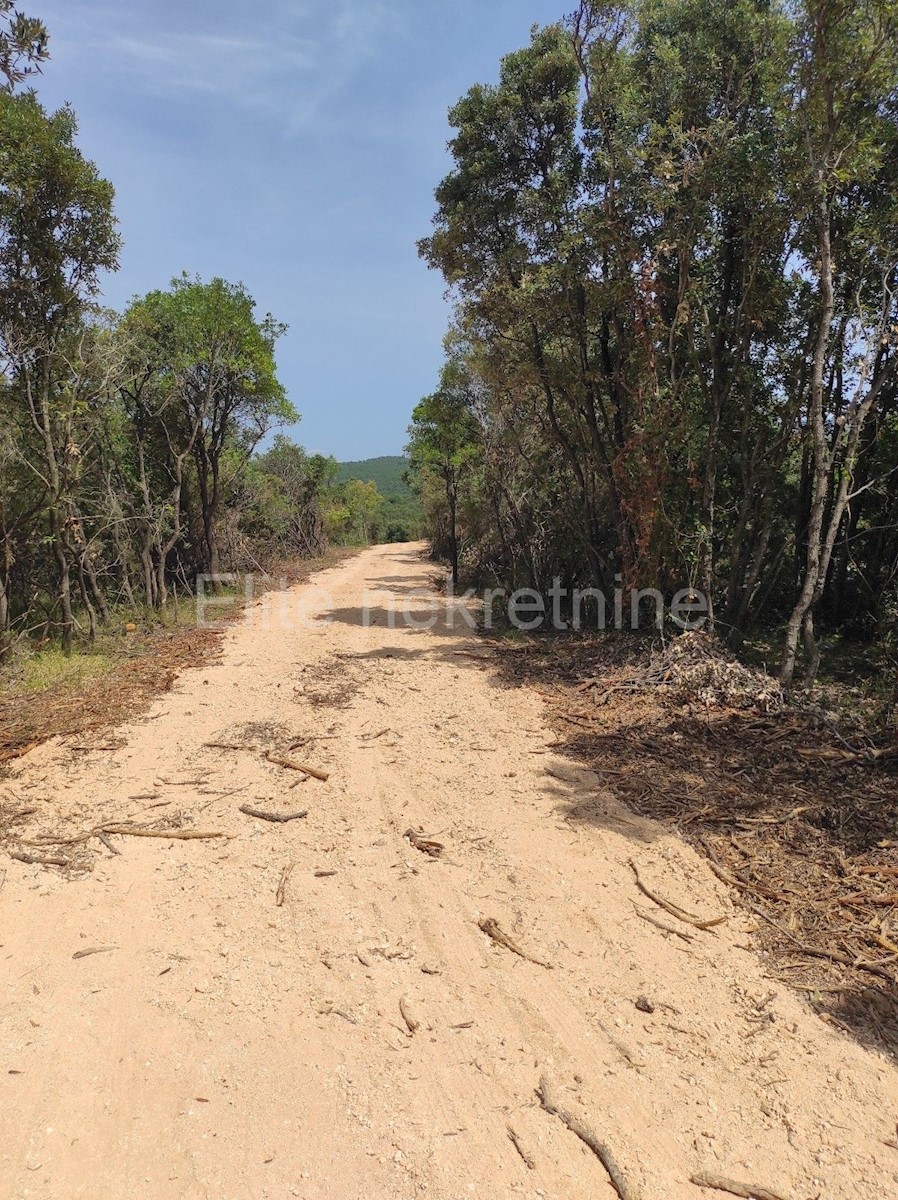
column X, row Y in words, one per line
column 821, row 458
column 64, row 583
column 5, row 640
column 452, row 498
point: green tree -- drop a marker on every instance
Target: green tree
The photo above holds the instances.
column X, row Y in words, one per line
column 670, row 230
column 844, row 187
column 218, row 367
column 57, row 233
column 23, row 44
column 444, row 441
column 363, row 503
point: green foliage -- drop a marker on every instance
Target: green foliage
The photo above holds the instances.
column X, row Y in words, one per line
column 128, row 444
column 642, row 223
column 57, row 227
column 387, row 473
column 23, row 44
column 400, row 518
column 445, row 443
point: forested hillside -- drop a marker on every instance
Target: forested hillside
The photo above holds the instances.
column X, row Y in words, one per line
column 401, row 517
column 671, row 235
column 388, row 474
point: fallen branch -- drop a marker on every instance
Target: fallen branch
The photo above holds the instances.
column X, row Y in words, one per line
column 282, row 885
column 50, row 840
column 623, row 1050
column 329, row 1011
column 35, row 860
column 731, row 879
column 588, row 1138
column 673, row 909
column 280, row 761
column 14, row 818
column 411, row 1022
column 686, row 937
column 93, row 950
column 516, row 1142
column 424, row 844
column 747, row 1191
column 280, row 818
column 833, row 755
column 492, row 930
column 887, row 900
column 813, row 952
column 183, row 835
column 109, row 846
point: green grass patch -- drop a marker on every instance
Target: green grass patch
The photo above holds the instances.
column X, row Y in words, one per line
column 43, row 670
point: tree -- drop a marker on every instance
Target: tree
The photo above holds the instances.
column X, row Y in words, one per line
column 57, row 233
column 363, row 504
column 219, row 377
column 444, row 438
column 846, row 146
column 669, row 230
column 23, row 44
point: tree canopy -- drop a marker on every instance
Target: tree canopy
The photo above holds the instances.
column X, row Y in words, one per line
column 669, row 231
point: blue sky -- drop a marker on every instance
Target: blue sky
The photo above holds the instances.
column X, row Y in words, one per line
column 293, row 145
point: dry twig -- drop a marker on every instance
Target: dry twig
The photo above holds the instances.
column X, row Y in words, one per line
column 280, row 761
column 492, row 930
column 424, row 844
column 183, row 835
column 411, row 1021
column 282, row 885
column 746, row 1190
column 516, row 1142
column 686, row 937
column 673, row 909
column 278, row 818
column 621, row 1185
column 35, row 860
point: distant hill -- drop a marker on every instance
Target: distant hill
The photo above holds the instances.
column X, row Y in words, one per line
column 401, row 518
column 387, row 473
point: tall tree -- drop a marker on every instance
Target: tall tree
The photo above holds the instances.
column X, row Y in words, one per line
column 687, row 372
column 57, row 233
column 444, row 438
column 846, row 139
column 220, row 368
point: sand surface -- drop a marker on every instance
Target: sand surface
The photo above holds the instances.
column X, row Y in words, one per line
column 367, row 1039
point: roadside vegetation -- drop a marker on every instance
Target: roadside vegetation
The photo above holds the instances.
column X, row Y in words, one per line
column 670, row 233
column 137, row 449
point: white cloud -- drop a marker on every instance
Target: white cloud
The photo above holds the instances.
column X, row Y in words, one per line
column 285, row 57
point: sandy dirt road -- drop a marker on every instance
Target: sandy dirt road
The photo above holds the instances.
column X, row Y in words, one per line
column 220, row 1046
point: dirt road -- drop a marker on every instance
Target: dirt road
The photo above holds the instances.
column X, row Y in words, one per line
column 367, row 1039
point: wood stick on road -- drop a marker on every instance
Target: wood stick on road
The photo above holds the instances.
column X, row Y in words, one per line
column 282, row 885
column 280, row 761
column 265, row 815
column 550, row 1103
column 748, row 1191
